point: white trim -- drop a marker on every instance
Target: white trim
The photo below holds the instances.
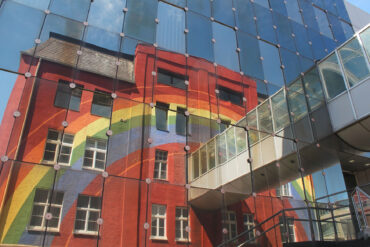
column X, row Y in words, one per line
column 85, row 231
column 156, row 219
column 95, row 150
column 182, row 219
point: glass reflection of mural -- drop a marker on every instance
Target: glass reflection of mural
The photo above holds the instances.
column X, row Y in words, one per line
column 198, row 123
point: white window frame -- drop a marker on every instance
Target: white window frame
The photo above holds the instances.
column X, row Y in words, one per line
column 249, row 225
column 88, row 210
column 284, row 190
column 182, row 219
column 46, row 206
column 59, row 144
column 160, row 163
column 95, row 150
column 230, row 222
column 156, row 218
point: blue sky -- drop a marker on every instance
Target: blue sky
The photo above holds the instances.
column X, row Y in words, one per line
column 362, row 4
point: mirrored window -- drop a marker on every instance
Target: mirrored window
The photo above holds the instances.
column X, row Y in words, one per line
column 280, row 110
column 313, row 89
column 201, row 7
column 293, row 11
column 244, row 16
column 278, row 6
column 271, row 63
column 332, row 76
column 250, row 61
column 225, row 46
column 297, row 100
column 222, row 11
column 101, row 104
column 171, row 26
column 284, row 32
column 365, row 37
column 76, row 10
column 139, row 21
column 199, row 38
column 301, row 40
column 264, row 119
column 323, row 23
column 265, row 25
column 291, row 65
column 354, row 62
column 107, row 15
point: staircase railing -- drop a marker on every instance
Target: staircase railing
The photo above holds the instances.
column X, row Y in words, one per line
column 361, row 204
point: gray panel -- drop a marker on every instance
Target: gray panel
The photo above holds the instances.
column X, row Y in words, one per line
column 361, row 100
column 340, row 112
column 287, row 144
column 321, row 124
column 303, row 131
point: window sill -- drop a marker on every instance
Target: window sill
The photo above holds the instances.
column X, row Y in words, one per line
column 182, row 240
column 158, row 238
column 42, row 229
column 92, row 169
column 163, row 130
column 85, row 233
column 160, row 180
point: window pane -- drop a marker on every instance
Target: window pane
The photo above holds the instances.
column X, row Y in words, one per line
column 83, row 201
column 280, row 111
column 313, row 89
column 291, row 65
column 332, row 76
column 284, row 32
column 199, row 37
column 101, row 104
column 36, row 221
column 354, row 62
column 201, row 7
column 170, row 29
column 211, row 154
column 301, row 40
column 252, row 122
column 53, row 135
column 244, row 16
column 222, row 11
column 365, row 37
column 264, row 119
column 139, row 21
column 221, row 148
column 76, row 10
column 293, row 11
column 195, row 161
column 180, row 121
column 241, row 139
column 271, row 63
column 297, row 100
column 250, row 61
column 231, row 149
column 107, row 15
column 265, row 24
column 323, row 23
column 225, row 46
column 203, row 159
column 161, row 116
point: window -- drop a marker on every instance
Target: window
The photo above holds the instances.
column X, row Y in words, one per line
column 287, row 236
column 95, row 153
column 158, row 222
column 171, row 79
column 67, row 97
column 41, row 206
column 249, row 225
column 230, row 95
column 160, row 166
column 161, row 116
column 101, row 104
column 181, row 224
column 230, row 223
column 180, row 121
column 87, row 213
column 54, row 143
column 284, row 190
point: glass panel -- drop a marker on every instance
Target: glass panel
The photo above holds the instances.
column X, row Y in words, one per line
column 293, row 11
column 72, row 9
column 241, row 139
column 337, row 29
column 291, row 63
column 107, row 15
column 170, row 29
column 308, row 14
column 39, row 4
column 250, row 61
column 265, row 24
column 222, row 11
column 201, row 7
column 244, row 16
column 264, row 119
column 231, row 149
column 203, row 159
column 195, row 162
column 365, row 37
column 313, row 89
column 348, row 31
column 354, row 62
column 139, row 21
column 18, row 32
column 280, row 110
column 57, row 24
column 211, row 150
column 252, row 122
column 284, row 32
column 225, row 46
column 278, row 6
column 199, row 38
column 221, row 148
column 271, row 63
column 332, row 76
column 181, row 3
column 301, row 40
column 297, row 101
column 322, row 20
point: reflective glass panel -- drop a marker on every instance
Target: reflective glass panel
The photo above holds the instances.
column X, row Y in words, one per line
column 264, row 119
column 280, row 110
column 284, row 32
column 253, row 135
column 322, row 20
column 250, row 61
column 271, row 63
column 293, row 11
column 57, row 24
column 291, row 63
column 264, row 3
column 244, row 16
column 265, row 24
column 365, row 37
column 171, row 26
column 107, row 14
column 354, row 62
column 199, row 38
column 231, row 147
column 318, row 46
column 73, row 9
column 201, row 7
column 313, row 89
column 337, row 28
column 297, row 101
column 301, row 40
column 139, row 21
column 102, row 38
column 279, row 7
column 332, row 76
column 347, row 29
column 308, row 14
column 181, row 3
column 39, row 4
column 222, row 11
column 225, row 46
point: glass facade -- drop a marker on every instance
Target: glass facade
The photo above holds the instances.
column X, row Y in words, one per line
column 176, row 122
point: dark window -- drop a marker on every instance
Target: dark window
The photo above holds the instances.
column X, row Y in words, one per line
column 171, row 79
column 180, row 121
column 287, row 230
column 67, row 97
column 230, row 95
column 161, row 116
column 160, row 166
column 101, row 104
